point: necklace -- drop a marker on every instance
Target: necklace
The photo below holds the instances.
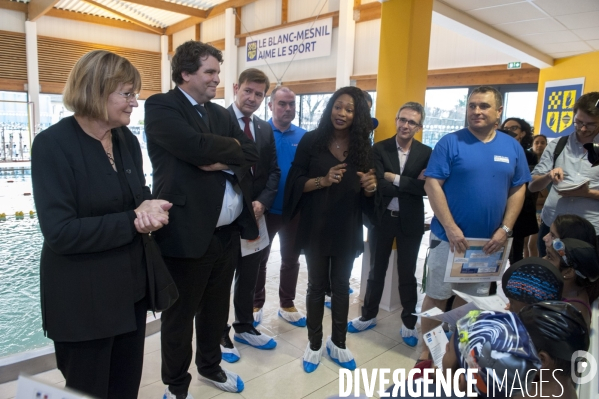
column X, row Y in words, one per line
column 111, row 159
column 336, row 144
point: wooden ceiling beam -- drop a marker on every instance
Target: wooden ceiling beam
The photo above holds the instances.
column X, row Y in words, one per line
column 78, row 16
column 186, row 23
column 167, row 6
column 38, row 8
column 220, row 9
column 13, row 5
column 150, row 28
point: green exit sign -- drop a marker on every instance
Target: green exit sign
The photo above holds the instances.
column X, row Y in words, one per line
column 514, row 65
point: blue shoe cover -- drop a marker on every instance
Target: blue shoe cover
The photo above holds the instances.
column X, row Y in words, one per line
column 357, row 325
column 261, row 341
column 343, row 357
column 229, row 355
column 295, row 318
column 233, row 384
column 311, row 359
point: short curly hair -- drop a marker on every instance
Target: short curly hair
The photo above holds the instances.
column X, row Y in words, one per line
column 188, row 58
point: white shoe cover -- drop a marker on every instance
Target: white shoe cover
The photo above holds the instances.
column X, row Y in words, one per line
column 230, row 355
column 311, row 359
column 261, row 341
column 406, row 332
column 296, row 318
column 233, row 384
column 169, row 395
column 257, row 317
column 327, row 301
column 342, row 357
column 357, row 325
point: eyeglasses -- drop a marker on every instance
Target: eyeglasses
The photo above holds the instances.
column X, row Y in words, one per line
column 590, row 126
column 410, row 122
column 129, row 96
column 513, row 128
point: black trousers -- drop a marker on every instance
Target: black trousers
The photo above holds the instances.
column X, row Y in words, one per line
column 204, row 285
column 108, row 367
column 407, row 257
column 543, row 231
column 246, row 275
column 320, row 269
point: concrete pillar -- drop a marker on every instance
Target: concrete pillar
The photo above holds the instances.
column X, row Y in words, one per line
column 33, row 77
column 230, row 55
column 345, row 43
column 165, row 65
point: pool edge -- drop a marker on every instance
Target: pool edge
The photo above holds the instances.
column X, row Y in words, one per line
column 43, row 359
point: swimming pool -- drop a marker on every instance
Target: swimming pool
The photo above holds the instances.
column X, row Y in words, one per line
column 20, row 247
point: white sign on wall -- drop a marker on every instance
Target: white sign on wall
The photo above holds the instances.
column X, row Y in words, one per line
column 298, row 42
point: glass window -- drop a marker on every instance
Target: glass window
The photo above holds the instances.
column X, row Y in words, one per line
column 445, row 113
column 311, row 108
column 14, row 126
column 522, row 104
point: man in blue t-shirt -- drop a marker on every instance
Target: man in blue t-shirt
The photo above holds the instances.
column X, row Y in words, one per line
column 287, row 137
column 475, row 181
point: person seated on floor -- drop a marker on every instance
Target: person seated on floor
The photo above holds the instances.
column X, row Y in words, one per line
column 571, row 247
column 557, row 330
column 497, row 346
column 531, row 280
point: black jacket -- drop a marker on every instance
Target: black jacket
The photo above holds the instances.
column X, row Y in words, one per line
column 410, row 191
column 85, row 267
column 179, row 142
column 265, row 180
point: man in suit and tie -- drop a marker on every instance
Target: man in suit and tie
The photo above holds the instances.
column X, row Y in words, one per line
column 400, row 162
column 201, row 161
column 250, row 91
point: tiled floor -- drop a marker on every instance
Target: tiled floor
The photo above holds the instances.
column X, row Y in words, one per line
column 278, row 373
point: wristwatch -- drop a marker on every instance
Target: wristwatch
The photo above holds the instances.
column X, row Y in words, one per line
column 507, row 230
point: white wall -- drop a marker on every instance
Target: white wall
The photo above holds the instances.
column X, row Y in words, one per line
column 213, row 29
column 13, row 21
column 260, row 15
column 452, row 50
column 183, row 35
column 366, row 50
column 95, row 33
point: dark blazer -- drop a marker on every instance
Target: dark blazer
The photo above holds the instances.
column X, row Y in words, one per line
column 410, row 190
column 85, row 268
column 265, row 180
column 178, row 142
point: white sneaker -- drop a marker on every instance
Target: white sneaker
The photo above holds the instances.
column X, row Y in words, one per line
column 311, row 359
column 357, row 325
column 257, row 317
column 233, row 384
column 343, row 357
column 410, row 337
column 293, row 316
column 260, row 341
column 169, row 395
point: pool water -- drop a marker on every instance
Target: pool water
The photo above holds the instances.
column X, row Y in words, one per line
column 20, row 247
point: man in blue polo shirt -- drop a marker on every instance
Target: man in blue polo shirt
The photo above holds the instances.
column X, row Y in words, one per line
column 287, row 137
column 475, row 181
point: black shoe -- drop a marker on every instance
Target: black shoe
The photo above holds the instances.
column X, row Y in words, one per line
column 220, row 376
column 226, row 341
column 253, row 331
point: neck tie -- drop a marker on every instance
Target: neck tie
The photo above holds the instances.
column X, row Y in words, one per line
column 247, row 120
column 203, row 112
column 246, row 129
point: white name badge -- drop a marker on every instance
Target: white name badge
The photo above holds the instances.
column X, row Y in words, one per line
column 499, row 158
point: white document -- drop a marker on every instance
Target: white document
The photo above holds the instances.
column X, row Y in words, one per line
column 493, row 302
column 30, row 388
column 569, row 186
column 430, row 313
column 453, row 315
column 252, row 246
column 474, row 265
column 436, row 340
